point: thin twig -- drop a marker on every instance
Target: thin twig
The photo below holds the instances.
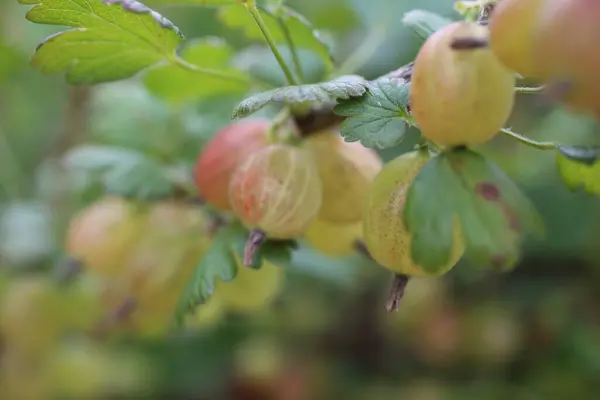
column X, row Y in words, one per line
column 180, row 62
column 530, row 142
column 255, row 14
column 293, row 50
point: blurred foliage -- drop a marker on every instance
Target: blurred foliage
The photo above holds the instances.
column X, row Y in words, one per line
column 531, row 334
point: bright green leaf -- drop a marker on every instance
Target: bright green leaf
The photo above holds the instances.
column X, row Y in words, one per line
column 111, row 39
column 341, row 88
column 378, row 118
column 493, row 213
column 203, row 3
column 579, row 167
column 302, row 33
column 178, row 86
column 424, row 23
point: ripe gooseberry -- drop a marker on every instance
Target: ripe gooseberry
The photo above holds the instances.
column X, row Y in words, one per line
column 174, row 239
column 346, row 170
column 251, row 289
column 277, row 190
column 102, row 235
column 512, row 29
column 386, row 237
column 565, row 45
column 222, row 155
column 31, row 317
column 460, row 96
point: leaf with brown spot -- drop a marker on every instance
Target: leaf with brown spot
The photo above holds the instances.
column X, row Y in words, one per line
column 494, row 215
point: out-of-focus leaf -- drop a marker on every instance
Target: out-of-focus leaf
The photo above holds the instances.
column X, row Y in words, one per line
column 424, row 22
column 579, row 168
column 378, row 118
column 341, row 88
column 493, row 213
column 10, row 59
column 259, row 62
column 123, row 172
column 176, row 85
column 278, row 20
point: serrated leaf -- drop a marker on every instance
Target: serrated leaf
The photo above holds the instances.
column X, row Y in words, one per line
column 178, row 86
column 579, row 168
column 217, row 262
column 111, row 39
column 302, row 33
column 493, row 214
column 378, row 118
column 341, row 88
column 424, row 23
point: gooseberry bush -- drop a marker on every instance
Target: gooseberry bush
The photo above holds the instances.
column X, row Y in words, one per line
column 175, row 245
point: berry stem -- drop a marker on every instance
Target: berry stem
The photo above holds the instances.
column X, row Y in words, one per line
column 180, row 62
column 399, row 283
column 255, row 14
column 529, row 90
column 255, row 240
column 278, row 121
column 529, row 142
column 361, row 248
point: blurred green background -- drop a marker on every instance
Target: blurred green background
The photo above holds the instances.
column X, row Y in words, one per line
column 530, row 334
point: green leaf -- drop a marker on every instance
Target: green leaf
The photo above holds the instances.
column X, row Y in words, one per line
column 579, row 168
column 217, row 262
column 463, row 186
column 343, row 87
column 424, row 23
column 127, row 173
column 202, row 3
column 278, row 252
column 378, row 118
column 178, row 86
column 10, row 61
column 302, row 33
column 111, row 39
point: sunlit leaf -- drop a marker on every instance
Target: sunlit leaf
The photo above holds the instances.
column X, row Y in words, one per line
column 110, row 39
column 579, row 168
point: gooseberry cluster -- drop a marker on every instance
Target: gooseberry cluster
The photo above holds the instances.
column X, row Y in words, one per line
column 550, row 41
column 283, row 188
